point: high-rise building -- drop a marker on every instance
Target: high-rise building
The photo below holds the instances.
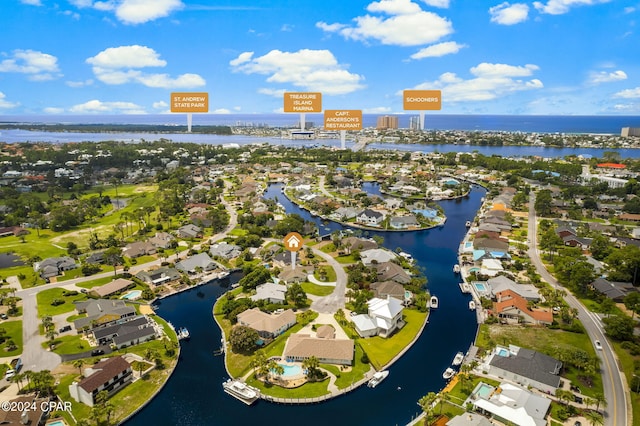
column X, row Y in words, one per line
column 387, row 122
column 630, row 131
column 414, row 122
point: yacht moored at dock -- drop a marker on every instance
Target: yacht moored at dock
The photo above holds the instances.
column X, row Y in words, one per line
column 241, row 391
column 378, row 377
column 457, row 360
column 456, row 269
column 448, row 373
column 433, row 302
column 465, row 287
column 472, row 305
column 183, row 334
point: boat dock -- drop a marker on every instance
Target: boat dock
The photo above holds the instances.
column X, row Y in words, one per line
column 241, row 391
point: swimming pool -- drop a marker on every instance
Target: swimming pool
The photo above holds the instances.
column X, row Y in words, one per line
column 428, row 213
column 132, row 295
column 484, row 390
column 291, row 370
column 480, row 287
column 503, row 352
column 57, row 423
column 474, row 269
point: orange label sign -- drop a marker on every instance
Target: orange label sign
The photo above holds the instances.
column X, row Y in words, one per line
column 293, row 241
column 303, row 102
column 189, row 102
column 422, row 100
column 343, row 119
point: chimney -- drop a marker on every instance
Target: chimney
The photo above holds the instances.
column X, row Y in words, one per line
column 24, row 418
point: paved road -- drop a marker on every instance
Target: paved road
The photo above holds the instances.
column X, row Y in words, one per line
column 34, row 356
column 613, row 382
column 331, row 303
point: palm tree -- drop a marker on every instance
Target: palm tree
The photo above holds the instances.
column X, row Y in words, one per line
column 600, row 400
column 594, row 418
column 78, row 363
column 311, row 364
column 260, row 363
column 589, row 401
column 274, row 368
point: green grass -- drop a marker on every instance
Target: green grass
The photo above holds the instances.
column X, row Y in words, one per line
column 346, row 379
column 459, row 392
column 380, row 351
column 68, row 345
column 346, row 260
column 308, row 390
column 317, row 290
column 45, row 298
column 95, row 283
column 628, row 368
column 330, row 274
column 14, row 332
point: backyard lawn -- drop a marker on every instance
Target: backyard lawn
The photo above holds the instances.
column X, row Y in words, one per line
column 46, row 297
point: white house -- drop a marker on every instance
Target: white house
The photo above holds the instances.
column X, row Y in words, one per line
column 109, row 375
column 511, row 404
column 383, row 318
column 370, row 217
column 271, row 292
column 376, row 256
column 491, row 267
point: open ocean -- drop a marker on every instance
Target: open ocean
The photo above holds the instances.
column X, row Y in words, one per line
column 601, row 124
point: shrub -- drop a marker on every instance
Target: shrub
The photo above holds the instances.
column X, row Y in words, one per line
column 57, row 302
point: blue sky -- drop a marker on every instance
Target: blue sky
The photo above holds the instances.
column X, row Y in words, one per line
column 575, row 57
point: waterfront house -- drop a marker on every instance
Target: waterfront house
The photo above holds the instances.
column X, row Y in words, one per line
column 369, row 257
column 101, row 312
column 469, row 419
column 382, row 289
column 360, row 244
column 384, row 316
column 389, row 271
column 491, row 267
column 108, row 375
column 404, row 222
column 525, row 367
column 300, row 347
column 268, row 326
column 501, row 283
column 132, row 331
column 200, row 262
column 510, row 404
column 370, row 217
column 159, row 276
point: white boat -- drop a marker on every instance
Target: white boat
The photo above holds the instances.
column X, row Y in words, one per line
column 241, row 391
column 378, row 376
column 456, row 268
column 183, row 334
column 457, row 360
column 448, row 373
column 472, row 305
column 433, row 302
column 468, row 224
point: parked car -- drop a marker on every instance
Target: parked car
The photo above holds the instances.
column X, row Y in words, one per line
column 97, row 352
column 10, row 373
column 577, row 399
column 4, row 316
column 65, row 328
column 598, row 345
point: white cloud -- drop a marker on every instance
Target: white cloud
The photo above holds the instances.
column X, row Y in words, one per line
column 221, row 111
column 160, row 105
column 39, row 66
column 606, row 77
column 127, row 57
column 376, row 110
column 628, row 93
column 96, row 106
column 559, row 7
column 53, row 110
column 314, row 70
column 74, row 84
column 491, row 81
column 509, row 14
column 31, row 2
column 405, row 25
column 4, row 103
column 120, row 65
column 133, row 11
column 437, row 3
column 437, row 50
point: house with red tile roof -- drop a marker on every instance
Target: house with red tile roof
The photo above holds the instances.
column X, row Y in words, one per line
column 513, row 308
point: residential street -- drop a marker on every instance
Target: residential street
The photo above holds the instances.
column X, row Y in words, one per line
column 613, row 380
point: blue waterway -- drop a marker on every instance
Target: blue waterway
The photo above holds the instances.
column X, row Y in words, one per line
column 611, row 124
column 194, row 395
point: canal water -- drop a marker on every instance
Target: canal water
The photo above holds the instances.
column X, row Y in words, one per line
column 194, row 395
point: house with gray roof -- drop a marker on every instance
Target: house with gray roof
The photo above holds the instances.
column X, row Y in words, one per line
column 189, row 231
column 404, row 222
column 101, row 312
column 54, row 266
column 615, row 291
column 192, row 264
column 370, row 217
column 369, row 257
column 501, row 283
column 389, row 271
column 115, row 286
column 138, row 248
column 271, row 292
column 133, row 330
column 525, row 367
column 159, row 276
column 300, row 347
column 225, row 250
column 268, row 326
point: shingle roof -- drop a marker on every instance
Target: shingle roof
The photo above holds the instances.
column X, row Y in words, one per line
column 531, row 364
column 108, row 369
